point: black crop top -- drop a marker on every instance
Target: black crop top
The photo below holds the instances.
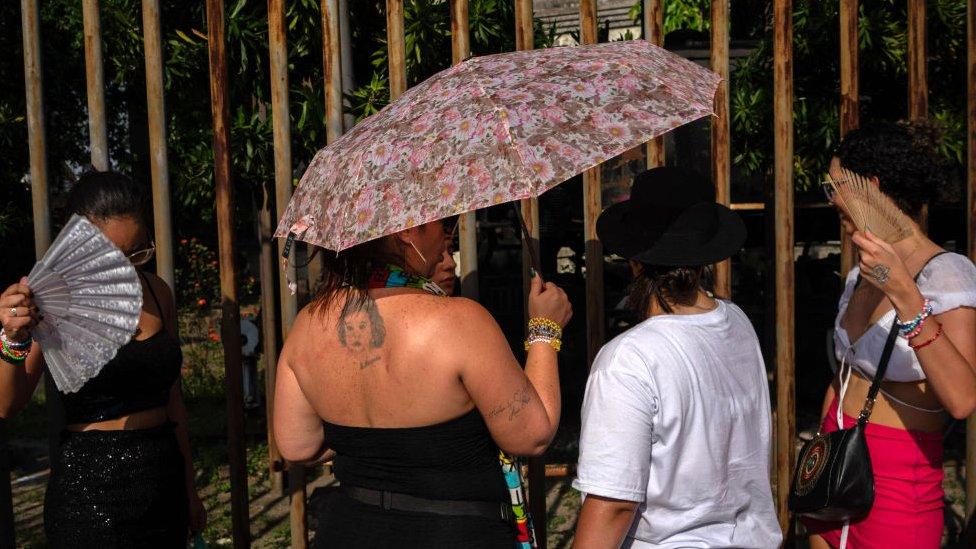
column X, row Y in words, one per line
column 138, row 378
column 456, row 459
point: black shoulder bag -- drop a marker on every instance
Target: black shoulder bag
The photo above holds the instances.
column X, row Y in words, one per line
column 833, row 480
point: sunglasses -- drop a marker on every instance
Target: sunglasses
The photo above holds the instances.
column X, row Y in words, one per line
column 143, row 256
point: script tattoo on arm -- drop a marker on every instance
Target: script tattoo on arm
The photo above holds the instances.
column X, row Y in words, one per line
column 361, row 330
column 519, row 400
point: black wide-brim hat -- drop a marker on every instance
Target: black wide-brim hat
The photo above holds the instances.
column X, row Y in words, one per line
column 672, row 220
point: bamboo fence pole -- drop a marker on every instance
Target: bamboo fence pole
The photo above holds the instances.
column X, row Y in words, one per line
column 332, row 69
column 783, row 169
column 721, row 134
column 159, row 164
column 94, row 83
column 654, row 29
column 592, row 207
column 971, row 228
column 269, row 328
column 230, row 320
column 281, row 128
column 918, row 92
column 396, row 55
column 468, row 221
column 529, row 210
column 345, row 41
column 849, row 99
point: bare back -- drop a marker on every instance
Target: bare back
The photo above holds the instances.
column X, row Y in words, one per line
column 380, row 365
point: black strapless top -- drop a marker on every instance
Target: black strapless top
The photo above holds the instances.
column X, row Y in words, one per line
column 456, row 459
column 139, row 378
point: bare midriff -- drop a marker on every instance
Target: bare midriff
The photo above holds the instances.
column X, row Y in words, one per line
column 144, row 419
column 893, row 414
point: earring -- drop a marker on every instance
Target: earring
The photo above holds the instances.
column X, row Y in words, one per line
column 422, row 258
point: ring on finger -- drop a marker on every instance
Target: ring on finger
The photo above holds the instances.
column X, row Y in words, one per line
column 13, row 311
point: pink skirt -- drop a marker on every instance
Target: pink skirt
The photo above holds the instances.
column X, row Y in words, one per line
column 907, row 511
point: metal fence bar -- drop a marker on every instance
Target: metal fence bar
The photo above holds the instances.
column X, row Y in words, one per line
column 396, row 55
column 468, row 228
column 654, row 33
column 721, row 134
column 230, row 326
column 849, row 99
column 592, row 207
column 918, row 92
column 158, row 161
column 783, row 170
column 971, row 227
column 94, row 83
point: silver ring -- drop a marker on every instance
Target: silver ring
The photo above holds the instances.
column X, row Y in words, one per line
column 880, row 273
column 13, row 311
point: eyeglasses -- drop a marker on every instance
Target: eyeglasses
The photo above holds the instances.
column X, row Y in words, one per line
column 829, row 188
column 143, row 256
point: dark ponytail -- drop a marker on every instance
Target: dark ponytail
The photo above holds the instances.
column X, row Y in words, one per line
column 669, row 286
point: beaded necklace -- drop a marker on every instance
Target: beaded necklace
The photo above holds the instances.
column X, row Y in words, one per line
column 392, row 276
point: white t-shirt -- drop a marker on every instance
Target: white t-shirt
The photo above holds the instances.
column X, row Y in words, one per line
column 677, row 417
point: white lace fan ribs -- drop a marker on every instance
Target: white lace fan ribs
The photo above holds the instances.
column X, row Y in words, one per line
column 90, row 297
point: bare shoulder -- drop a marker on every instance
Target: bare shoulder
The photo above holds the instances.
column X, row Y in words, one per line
column 461, row 311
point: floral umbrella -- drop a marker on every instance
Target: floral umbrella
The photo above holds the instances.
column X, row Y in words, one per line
column 492, row 129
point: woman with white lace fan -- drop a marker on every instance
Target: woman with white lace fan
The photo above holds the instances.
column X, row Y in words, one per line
column 881, row 179
column 123, row 476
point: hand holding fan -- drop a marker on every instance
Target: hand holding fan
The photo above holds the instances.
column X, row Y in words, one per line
column 872, row 210
column 90, row 297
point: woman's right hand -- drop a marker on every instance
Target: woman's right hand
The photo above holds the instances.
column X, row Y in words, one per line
column 18, row 313
column 549, row 301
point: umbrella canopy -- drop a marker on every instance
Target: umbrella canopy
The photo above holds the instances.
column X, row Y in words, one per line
column 490, row 130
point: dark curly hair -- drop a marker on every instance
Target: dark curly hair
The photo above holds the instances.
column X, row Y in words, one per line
column 903, row 156
column 103, row 195
column 669, row 286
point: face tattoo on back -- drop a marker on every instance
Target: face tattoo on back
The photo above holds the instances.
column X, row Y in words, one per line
column 361, row 330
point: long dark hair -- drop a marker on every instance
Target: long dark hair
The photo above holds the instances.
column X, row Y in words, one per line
column 103, row 195
column 669, row 286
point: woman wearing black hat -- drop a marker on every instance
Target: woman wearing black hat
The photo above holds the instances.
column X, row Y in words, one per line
column 675, row 442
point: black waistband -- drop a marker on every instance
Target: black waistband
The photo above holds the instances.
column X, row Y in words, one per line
column 406, row 502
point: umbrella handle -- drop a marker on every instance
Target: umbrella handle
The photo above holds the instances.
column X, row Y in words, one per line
column 526, row 237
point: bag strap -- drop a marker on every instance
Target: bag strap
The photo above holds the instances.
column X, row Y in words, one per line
column 862, row 418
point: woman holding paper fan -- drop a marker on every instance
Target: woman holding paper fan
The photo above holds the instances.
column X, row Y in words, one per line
column 123, row 476
column 909, row 284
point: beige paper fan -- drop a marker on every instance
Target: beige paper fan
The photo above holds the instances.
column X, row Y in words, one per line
column 872, row 210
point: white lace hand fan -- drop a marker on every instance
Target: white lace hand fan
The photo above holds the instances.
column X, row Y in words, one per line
column 91, row 298
column 871, row 209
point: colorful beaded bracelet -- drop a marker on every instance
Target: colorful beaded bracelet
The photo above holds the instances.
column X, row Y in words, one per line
column 544, row 330
column 938, row 334
column 13, row 355
column 908, row 327
column 22, row 346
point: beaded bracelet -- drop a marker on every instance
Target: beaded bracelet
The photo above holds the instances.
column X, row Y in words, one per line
column 911, row 328
column 12, row 355
column 544, row 330
column 938, row 334
column 23, row 345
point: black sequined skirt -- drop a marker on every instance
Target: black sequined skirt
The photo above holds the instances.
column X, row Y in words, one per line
column 117, row 489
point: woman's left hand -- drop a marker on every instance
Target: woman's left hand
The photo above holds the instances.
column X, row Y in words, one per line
column 881, row 266
column 198, row 513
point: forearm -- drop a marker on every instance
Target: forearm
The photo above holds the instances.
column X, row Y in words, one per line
column 603, row 523
column 17, row 383
column 542, row 370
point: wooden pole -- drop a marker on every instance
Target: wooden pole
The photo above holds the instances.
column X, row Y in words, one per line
column 654, row 29
column 332, row 69
column 94, row 82
column 721, row 134
column 159, row 164
column 281, row 127
column 396, row 55
column 36, row 135
column 269, row 328
column 468, row 228
column 971, row 229
column 783, row 169
column 918, row 92
column 849, row 99
column 592, row 207
column 345, row 40
column 230, row 326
